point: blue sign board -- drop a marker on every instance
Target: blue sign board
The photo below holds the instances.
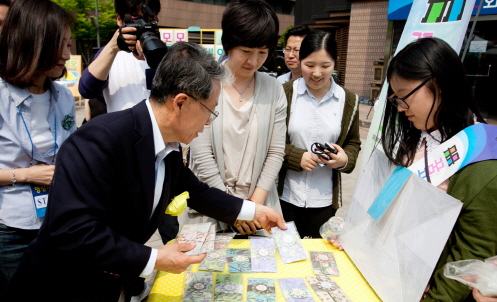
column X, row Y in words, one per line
column 399, row 9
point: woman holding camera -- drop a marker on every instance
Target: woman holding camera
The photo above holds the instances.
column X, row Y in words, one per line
column 241, row 151
column 36, row 116
column 319, row 111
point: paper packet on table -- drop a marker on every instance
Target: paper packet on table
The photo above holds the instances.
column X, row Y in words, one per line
column 475, row 273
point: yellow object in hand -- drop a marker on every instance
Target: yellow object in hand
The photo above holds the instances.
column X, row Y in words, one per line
column 178, row 205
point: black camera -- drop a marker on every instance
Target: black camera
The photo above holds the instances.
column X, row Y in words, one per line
column 147, row 33
column 319, row 149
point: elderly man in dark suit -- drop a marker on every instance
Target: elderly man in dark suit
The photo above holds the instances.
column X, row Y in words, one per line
column 115, row 177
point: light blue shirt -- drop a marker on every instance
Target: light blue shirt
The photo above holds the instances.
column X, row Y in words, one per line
column 312, row 121
column 16, row 202
column 285, row 77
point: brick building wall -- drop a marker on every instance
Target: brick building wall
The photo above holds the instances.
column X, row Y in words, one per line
column 367, row 41
column 183, row 14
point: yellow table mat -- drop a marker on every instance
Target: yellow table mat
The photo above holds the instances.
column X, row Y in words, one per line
column 169, row 287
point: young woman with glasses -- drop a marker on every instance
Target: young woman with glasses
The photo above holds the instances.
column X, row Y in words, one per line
column 242, row 150
column 430, row 101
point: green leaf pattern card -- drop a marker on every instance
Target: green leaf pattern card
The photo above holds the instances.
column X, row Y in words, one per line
column 214, row 261
column 229, row 288
column 238, row 260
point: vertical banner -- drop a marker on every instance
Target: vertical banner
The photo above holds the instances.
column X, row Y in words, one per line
column 445, row 19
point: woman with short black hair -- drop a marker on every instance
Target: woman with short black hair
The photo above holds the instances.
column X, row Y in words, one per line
column 242, row 150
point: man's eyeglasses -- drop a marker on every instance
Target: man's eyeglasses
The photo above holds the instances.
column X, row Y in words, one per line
column 396, row 101
column 213, row 115
column 289, row 50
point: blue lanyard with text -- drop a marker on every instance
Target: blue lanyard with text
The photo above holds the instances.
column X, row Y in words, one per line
column 40, row 192
column 31, row 140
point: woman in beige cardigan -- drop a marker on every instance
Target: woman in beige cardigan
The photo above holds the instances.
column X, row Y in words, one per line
column 241, row 152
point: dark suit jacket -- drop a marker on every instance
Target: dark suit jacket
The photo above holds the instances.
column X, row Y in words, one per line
column 100, row 211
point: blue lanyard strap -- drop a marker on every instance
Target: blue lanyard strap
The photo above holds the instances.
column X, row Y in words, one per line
column 31, row 140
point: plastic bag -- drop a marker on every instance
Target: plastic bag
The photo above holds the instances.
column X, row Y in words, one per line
column 475, row 273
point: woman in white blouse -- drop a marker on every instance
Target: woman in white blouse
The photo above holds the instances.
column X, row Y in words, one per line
column 320, row 111
column 242, row 150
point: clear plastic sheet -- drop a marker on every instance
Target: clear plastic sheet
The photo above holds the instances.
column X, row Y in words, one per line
column 397, row 253
column 475, row 273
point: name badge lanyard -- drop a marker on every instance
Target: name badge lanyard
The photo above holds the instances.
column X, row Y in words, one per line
column 39, row 192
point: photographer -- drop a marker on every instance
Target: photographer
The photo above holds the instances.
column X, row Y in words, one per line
column 119, row 75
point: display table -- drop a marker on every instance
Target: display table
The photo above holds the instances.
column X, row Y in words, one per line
column 169, row 287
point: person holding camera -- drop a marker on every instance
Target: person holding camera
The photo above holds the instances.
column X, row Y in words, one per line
column 319, row 111
column 36, row 117
column 122, row 75
column 242, row 150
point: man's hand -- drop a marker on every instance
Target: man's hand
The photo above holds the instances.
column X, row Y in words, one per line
column 268, row 218
column 245, row 227
column 172, row 259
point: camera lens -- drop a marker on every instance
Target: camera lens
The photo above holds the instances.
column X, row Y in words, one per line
column 153, row 49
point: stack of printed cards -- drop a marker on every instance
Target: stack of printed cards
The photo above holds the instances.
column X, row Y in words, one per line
column 196, row 233
column 323, row 263
column 289, row 244
column 327, row 289
column 209, row 240
column 262, row 251
column 223, row 240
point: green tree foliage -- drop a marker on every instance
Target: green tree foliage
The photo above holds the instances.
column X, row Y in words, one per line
column 83, row 29
column 281, row 40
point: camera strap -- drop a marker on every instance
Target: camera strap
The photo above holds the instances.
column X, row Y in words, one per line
column 121, row 42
